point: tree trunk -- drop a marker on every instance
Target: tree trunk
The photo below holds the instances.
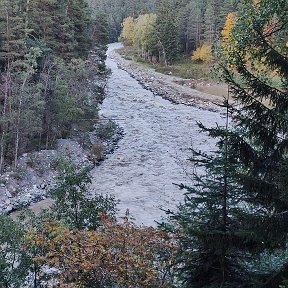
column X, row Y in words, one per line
column 4, row 115
column 18, row 122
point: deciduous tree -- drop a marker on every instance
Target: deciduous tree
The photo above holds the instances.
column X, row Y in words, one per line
column 121, row 255
column 128, row 27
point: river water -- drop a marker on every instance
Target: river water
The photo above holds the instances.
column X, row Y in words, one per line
column 154, row 150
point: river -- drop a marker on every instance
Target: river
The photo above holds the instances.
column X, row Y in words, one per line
column 154, row 150
column 153, row 154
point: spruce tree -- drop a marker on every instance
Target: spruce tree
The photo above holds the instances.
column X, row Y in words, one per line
column 49, row 21
column 224, row 7
column 12, row 64
column 100, row 34
column 167, row 31
column 209, row 23
column 238, row 209
column 12, row 32
column 80, row 17
column 196, row 19
column 256, row 71
column 212, row 242
column 186, row 27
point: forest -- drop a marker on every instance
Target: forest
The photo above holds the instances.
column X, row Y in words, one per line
column 179, row 27
column 230, row 229
column 46, row 61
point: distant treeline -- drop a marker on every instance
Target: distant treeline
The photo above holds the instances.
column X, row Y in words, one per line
column 117, row 10
column 181, row 25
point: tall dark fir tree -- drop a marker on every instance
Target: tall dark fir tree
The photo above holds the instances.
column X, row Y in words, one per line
column 167, row 31
column 237, row 210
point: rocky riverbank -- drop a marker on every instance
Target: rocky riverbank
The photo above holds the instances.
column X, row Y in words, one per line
column 36, row 172
column 167, row 86
column 162, row 130
column 154, row 151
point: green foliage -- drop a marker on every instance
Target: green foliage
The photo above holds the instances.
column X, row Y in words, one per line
column 14, row 260
column 74, row 205
column 191, row 21
column 12, row 32
column 117, row 10
column 184, row 67
column 80, row 17
column 145, row 33
column 100, row 33
column 106, row 130
column 186, row 70
column 177, row 27
column 263, row 132
column 46, row 89
column 63, row 25
column 57, row 31
column 68, row 98
column 167, row 31
column 213, row 243
column 235, row 212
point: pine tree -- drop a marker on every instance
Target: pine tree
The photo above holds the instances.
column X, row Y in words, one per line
column 38, row 98
column 238, row 209
column 209, row 23
column 197, row 10
column 167, row 31
column 12, row 31
column 212, row 242
column 50, row 22
column 185, row 28
column 100, row 34
column 80, row 17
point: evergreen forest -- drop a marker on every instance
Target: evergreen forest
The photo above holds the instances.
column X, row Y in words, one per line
column 230, row 229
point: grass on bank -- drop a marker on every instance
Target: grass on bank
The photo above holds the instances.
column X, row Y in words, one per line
column 184, row 68
column 207, row 80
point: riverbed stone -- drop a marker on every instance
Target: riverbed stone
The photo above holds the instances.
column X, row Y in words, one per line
column 152, row 155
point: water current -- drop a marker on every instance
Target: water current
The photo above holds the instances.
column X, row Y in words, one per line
column 154, row 151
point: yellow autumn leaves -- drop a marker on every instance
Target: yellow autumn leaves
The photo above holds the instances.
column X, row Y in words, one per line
column 128, row 26
column 139, row 32
column 118, row 253
column 204, row 52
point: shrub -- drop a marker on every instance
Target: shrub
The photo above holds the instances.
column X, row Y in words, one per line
column 203, row 53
